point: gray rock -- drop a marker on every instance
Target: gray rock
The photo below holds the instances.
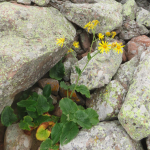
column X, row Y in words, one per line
column 148, row 142
column 144, row 4
column 129, row 10
column 134, row 114
column 103, row 136
column 41, row 2
column 132, row 29
column 28, row 46
column 107, row 12
column 143, row 17
column 107, row 101
column 26, row 2
column 16, row 139
column 99, row 70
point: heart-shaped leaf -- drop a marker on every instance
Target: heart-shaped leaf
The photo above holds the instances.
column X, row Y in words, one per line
column 83, row 90
column 47, row 90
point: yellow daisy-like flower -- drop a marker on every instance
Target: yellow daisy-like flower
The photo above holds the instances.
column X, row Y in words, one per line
column 89, row 26
column 95, row 22
column 119, row 48
column 113, row 33
column 107, row 34
column 100, row 36
column 60, row 41
column 76, row 44
column 70, row 50
column 104, row 47
column 113, row 45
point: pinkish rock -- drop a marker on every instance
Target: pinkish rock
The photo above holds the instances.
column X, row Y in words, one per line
column 28, row 46
column 137, row 45
column 53, row 83
column 16, row 139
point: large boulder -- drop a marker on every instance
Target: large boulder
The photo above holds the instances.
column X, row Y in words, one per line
column 134, row 114
column 99, row 70
column 103, row 136
column 107, row 12
column 28, row 46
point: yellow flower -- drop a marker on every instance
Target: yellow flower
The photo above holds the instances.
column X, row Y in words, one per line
column 104, row 47
column 70, row 50
column 113, row 33
column 60, row 41
column 89, row 26
column 119, row 48
column 95, row 22
column 113, row 45
column 100, row 36
column 107, row 34
column 76, row 44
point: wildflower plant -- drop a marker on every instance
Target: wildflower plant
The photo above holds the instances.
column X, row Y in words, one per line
column 34, row 109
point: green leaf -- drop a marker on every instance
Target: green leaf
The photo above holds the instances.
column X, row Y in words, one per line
column 47, row 90
column 50, row 101
column 83, row 90
column 47, row 144
column 32, row 108
column 83, row 119
column 32, row 114
column 21, row 112
column 67, row 106
column 78, row 70
column 26, row 103
column 93, row 116
column 63, row 118
column 89, row 56
column 8, row 117
column 55, row 118
column 34, row 96
column 26, row 123
column 56, row 132
column 63, row 85
column 72, row 86
column 69, row 132
column 42, row 119
column 42, row 105
column 57, row 72
column 81, row 107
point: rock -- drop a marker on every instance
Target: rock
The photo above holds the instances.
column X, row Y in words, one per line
column 37, row 90
column 53, row 83
column 134, row 114
column 85, row 41
column 41, row 2
column 82, row 1
column 26, row 2
column 124, row 57
column 144, row 4
column 31, row 49
column 15, row 139
column 54, row 98
column 99, row 70
column 69, row 60
column 107, row 12
column 125, row 72
column 107, row 101
column 132, row 29
column 103, row 136
column 137, row 45
column 57, row 111
column 129, row 10
column 143, row 17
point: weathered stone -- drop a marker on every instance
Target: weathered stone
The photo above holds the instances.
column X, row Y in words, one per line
column 57, row 111
column 26, row 2
column 16, row 139
column 148, row 143
column 41, row 2
column 37, row 90
column 132, row 29
column 134, row 114
column 104, row 136
column 107, row 12
column 143, row 17
column 125, row 72
column 68, row 62
column 28, row 46
column 124, row 57
column 144, row 4
column 99, row 70
column 83, row 1
column 129, row 10
column 53, row 83
column 137, row 45
column 107, row 101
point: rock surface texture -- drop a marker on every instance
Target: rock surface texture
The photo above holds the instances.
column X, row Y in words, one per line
column 28, row 46
column 103, row 136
